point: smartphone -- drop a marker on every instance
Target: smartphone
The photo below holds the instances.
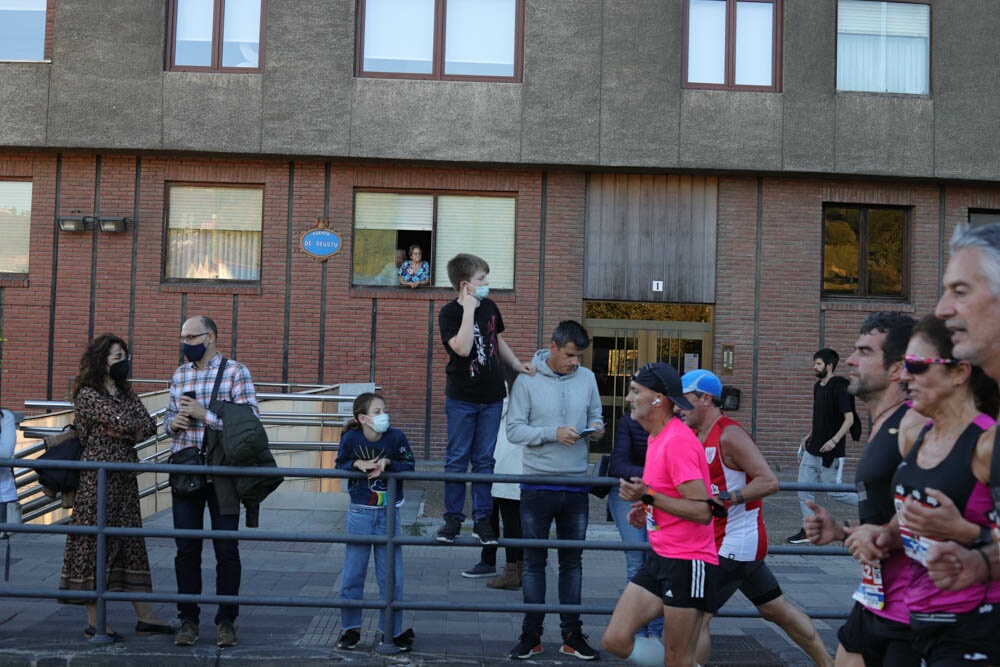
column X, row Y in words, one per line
column 191, row 394
column 585, row 432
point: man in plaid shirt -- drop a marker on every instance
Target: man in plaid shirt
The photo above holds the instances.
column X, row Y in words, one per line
column 185, row 422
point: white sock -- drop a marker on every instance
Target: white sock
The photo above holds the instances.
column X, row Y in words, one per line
column 648, row 652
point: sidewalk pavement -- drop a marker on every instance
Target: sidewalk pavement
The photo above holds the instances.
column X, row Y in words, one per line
column 40, row 631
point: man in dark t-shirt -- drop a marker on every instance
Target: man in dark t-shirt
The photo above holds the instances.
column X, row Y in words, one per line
column 822, row 451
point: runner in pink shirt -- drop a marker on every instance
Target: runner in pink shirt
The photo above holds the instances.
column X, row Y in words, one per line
column 677, row 510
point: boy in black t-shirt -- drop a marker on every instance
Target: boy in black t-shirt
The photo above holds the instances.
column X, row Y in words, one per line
column 471, row 328
column 822, row 451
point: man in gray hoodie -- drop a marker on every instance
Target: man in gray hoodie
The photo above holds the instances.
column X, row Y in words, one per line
column 551, row 414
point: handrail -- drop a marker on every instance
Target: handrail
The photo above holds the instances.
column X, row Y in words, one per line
column 390, row 541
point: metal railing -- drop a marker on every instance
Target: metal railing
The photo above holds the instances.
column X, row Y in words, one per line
column 390, row 541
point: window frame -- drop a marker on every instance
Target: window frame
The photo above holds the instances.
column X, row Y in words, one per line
column 930, row 51
column 863, row 247
column 49, row 28
column 213, row 282
column 19, row 275
column 432, row 255
column 777, row 49
column 218, row 24
column 438, row 49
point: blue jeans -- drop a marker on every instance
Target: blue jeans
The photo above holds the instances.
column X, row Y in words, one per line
column 619, row 509
column 569, row 510
column 189, row 513
column 811, row 471
column 366, row 521
column 472, row 437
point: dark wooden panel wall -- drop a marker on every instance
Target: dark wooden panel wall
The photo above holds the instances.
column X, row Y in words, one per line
column 646, row 227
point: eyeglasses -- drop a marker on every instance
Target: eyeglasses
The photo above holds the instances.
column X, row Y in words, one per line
column 192, row 337
column 916, row 365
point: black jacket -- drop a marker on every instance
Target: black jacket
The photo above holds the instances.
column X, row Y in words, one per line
column 242, row 443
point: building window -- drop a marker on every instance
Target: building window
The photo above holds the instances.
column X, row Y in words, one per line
column 865, row 251
column 983, row 216
column 733, row 44
column 15, row 226
column 22, row 29
column 443, row 225
column 217, row 35
column 441, row 39
column 883, row 47
column 213, row 233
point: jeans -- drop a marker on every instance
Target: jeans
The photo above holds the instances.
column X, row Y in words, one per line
column 189, row 513
column 811, row 471
column 569, row 510
column 362, row 520
column 472, row 437
column 619, row 509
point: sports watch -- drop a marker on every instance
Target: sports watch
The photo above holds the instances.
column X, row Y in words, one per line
column 648, row 498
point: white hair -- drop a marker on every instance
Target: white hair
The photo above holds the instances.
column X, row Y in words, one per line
column 986, row 239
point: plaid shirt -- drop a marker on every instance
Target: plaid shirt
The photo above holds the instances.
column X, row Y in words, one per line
column 236, row 387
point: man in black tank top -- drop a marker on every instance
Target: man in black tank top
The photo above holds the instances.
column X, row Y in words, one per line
column 877, row 627
column 970, row 306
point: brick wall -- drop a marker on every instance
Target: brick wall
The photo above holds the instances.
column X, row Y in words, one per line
column 403, row 353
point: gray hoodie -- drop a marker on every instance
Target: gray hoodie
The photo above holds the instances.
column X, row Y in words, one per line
column 540, row 404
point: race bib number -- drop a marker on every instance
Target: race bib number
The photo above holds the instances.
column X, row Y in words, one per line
column 915, row 546
column 870, row 591
column 650, row 520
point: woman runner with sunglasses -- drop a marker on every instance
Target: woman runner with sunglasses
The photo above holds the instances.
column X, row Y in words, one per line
column 941, row 493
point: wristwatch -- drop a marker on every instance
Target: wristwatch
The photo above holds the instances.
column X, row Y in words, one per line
column 984, row 538
column 648, row 498
column 724, row 496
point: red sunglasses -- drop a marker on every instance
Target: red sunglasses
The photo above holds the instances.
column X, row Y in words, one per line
column 917, row 365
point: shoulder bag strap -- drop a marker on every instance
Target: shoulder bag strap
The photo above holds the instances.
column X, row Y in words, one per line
column 218, row 381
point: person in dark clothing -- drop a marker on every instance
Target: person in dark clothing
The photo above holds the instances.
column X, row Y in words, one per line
column 823, row 449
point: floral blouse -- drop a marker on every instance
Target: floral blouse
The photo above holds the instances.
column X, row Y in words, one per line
column 408, row 274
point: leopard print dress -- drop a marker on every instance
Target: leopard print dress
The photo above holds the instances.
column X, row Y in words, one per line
column 109, row 426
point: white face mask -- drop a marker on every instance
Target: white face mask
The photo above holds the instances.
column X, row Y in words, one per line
column 380, row 423
column 482, row 291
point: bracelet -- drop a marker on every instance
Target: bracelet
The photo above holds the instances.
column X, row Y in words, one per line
column 989, row 568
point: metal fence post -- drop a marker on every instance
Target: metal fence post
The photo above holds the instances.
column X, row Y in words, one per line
column 387, row 646
column 100, row 630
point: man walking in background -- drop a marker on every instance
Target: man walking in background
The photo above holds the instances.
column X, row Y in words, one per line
column 822, row 451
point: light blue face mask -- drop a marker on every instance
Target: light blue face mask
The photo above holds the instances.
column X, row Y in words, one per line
column 380, row 423
column 482, row 291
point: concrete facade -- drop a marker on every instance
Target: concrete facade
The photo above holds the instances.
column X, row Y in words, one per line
column 103, row 126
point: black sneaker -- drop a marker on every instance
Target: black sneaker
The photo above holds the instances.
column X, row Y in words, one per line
column 404, row 642
column 482, row 529
column 575, row 644
column 450, row 530
column 350, row 639
column 799, row 537
column 528, row 645
column 479, row 570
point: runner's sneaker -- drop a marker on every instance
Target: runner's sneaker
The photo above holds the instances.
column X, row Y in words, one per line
column 575, row 644
column 482, row 529
column 450, row 530
column 799, row 537
column 528, row 645
column 480, row 569
column 350, row 639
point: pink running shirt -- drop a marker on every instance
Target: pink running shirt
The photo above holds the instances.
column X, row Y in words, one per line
column 673, row 457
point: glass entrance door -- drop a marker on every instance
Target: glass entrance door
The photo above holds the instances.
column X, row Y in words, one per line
column 619, row 347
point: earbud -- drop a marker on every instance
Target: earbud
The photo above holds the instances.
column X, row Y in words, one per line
column 656, row 401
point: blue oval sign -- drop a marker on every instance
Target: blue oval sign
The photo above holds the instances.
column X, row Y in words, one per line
column 321, row 243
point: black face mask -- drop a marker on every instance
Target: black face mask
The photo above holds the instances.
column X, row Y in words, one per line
column 119, row 370
column 194, row 353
